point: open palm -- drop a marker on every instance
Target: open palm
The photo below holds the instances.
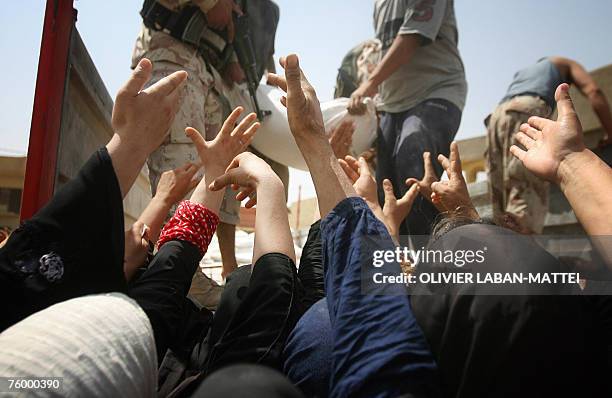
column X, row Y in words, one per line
column 548, row 142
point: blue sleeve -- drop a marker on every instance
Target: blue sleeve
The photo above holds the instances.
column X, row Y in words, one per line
column 378, row 348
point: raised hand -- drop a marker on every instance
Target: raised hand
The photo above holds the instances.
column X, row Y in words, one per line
column 231, row 140
column 396, row 210
column 246, row 172
column 136, row 248
column 548, row 142
column 175, row 184
column 303, row 108
column 358, row 171
column 341, row 138
column 453, row 195
column 142, row 118
column 429, row 177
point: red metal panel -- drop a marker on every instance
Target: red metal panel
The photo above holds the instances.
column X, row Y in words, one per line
column 60, row 17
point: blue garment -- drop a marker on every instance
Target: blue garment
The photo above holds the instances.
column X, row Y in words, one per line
column 307, row 354
column 378, row 349
column 540, row 79
column 402, row 139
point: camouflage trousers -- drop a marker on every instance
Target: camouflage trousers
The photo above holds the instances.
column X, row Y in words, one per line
column 514, row 190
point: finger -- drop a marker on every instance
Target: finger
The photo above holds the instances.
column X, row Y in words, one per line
column 230, row 177
column 248, row 135
column 409, row 196
column 191, row 171
column 364, row 167
column 435, row 198
column 185, row 167
column 445, row 163
column 197, row 139
column 293, row 75
column 410, row 181
column 230, row 122
column 252, row 202
column 278, row 81
column 565, row 106
column 538, row 122
column 428, row 165
column 530, row 131
column 438, row 187
column 518, row 152
column 234, row 163
column 348, row 170
column 244, row 125
column 193, row 167
column 144, row 232
column 347, row 127
column 283, row 101
column 352, row 162
column 140, row 76
column 168, row 84
column 525, row 140
column 242, row 195
column 193, row 183
column 388, row 191
column 455, row 160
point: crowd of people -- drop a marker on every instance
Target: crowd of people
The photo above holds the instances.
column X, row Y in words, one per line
column 108, row 311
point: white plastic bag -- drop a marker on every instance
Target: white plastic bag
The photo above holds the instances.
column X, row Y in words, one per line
column 274, row 139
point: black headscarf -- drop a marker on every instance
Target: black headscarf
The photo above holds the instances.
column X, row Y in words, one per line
column 507, row 340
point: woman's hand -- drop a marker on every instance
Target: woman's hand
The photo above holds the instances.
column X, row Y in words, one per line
column 396, row 210
column 358, row 171
column 303, row 108
column 141, row 118
column 429, row 177
column 453, row 195
column 246, row 172
column 341, row 138
column 175, row 184
column 217, row 154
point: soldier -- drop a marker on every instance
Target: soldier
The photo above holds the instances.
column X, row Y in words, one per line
column 421, row 85
column 514, row 191
column 196, row 36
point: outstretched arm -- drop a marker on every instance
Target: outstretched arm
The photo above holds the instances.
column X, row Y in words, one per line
column 555, row 151
column 306, row 123
column 141, row 119
column 173, row 186
column 272, row 232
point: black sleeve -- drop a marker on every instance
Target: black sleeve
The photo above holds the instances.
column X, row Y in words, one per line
column 311, row 272
column 72, row 247
column 266, row 314
column 161, row 291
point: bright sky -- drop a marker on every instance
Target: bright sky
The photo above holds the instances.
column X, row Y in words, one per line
column 496, row 38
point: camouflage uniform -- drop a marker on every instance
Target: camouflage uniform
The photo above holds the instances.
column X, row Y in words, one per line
column 513, row 189
column 203, row 104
